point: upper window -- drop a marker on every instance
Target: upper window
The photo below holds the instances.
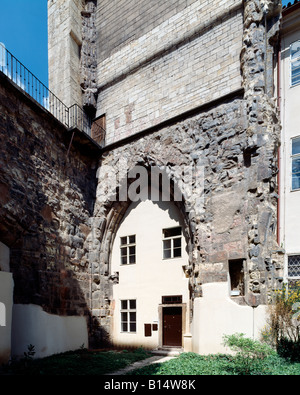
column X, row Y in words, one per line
column 295, row 63
column 296, row 163
column 128, row 250
column 172, row 242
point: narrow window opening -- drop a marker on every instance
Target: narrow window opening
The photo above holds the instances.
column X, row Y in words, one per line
column 236, row 275
column 247, row 159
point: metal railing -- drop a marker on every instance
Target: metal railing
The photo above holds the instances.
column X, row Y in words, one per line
column 71, row 117
column 79, row 119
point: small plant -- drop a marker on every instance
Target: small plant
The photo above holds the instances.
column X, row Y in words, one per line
column 30, row 353
column 283, row 328
column 249, row 354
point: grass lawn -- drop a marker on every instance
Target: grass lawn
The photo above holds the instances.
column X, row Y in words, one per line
column 81, row 362
column 194, row 364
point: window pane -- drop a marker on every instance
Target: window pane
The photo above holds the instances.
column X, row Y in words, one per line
column 177, row 242
column 133, row 327
column 124, row 260
column 123, row 240
column 167, row 254
column 132, row 304
column 172, row 232
column 296, row 173
column 131, row 239
column 124, row 317
column 124, row 305
column 124, row 251
column 131, row 258
column 132, row 250
column 294, row 266
column 132, row 317
column 295, row 72
column 295, row 50
column 124, row 326
column 177, row 252
column 296, row 146
column 167, row 244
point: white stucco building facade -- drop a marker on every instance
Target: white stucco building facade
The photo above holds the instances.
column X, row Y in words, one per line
column 288, row 96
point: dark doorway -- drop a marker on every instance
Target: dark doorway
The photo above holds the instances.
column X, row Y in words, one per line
column 172, row 328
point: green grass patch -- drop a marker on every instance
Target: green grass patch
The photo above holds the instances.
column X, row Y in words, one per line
column 194, row 364
column 81, row 362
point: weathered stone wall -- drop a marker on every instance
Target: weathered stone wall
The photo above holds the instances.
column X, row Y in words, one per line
column 47, row 198
column 190, row 58
column 261, row 29
column 236, row 140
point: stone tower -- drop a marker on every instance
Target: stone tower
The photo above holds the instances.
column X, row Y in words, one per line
column 72, row 53
column 181, row 83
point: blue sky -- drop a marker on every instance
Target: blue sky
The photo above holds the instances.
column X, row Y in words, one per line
column 23, row 30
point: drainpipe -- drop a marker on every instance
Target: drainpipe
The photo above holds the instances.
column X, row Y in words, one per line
column 279, row 167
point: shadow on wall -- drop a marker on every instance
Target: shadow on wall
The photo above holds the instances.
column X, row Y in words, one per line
column 46, row 201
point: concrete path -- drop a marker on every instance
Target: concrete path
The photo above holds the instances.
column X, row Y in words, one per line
column 141, row 364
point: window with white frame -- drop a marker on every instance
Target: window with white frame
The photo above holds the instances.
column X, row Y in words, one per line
column 172, row 240
column 296, row 163
column 128, row 316
column 295, row 63
column 128, row 250
column 294, row 267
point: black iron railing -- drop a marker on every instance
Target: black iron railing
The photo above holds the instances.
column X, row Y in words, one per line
column 71, row 117
column 79, row 119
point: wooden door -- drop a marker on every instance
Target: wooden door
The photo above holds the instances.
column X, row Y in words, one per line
column 172, row 326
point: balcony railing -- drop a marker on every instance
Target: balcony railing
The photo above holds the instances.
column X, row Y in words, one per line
column 71, row 117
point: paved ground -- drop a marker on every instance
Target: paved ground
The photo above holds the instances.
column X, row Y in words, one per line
column 141, row 364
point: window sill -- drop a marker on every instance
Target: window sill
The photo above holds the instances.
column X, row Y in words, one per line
column 294, row 85
column 172, row 259
column 128, row 333
column 127, row 264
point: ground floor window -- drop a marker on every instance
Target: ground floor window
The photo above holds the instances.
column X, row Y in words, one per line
column 294, row 267
column 128, row 315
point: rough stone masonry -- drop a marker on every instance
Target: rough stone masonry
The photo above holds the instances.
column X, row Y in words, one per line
column 236, row 140
column 59, row 221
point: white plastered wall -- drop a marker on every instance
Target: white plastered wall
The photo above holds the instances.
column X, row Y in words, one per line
column 216, row 314
column 6, row 303
column 290, row 118
column 49, row 334
column 151, row 277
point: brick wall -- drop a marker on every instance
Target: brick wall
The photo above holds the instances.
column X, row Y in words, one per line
column 127, row 20
column 190, row 58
